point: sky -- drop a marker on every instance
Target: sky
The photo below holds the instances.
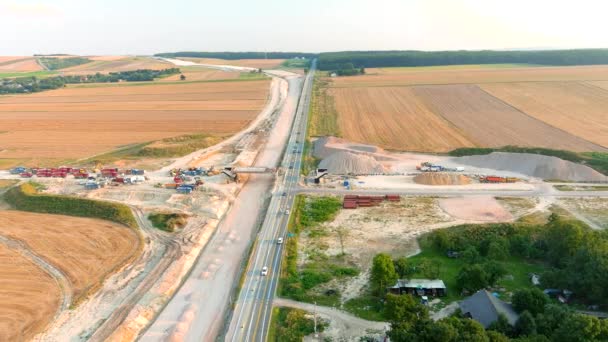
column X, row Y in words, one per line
column 107, row 27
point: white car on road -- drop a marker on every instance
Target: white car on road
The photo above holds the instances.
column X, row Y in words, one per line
column 264, row 271
column 280, row 241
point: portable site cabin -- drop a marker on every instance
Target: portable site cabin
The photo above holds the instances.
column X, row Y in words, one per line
column 419, row 287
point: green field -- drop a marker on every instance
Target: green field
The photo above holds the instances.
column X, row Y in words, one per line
column 40, row 74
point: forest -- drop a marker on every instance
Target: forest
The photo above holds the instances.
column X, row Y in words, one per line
column 374, row 59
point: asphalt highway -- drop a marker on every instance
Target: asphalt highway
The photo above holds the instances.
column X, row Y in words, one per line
column 253, row 308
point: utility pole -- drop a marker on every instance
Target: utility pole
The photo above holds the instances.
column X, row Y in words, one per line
column 314, row 317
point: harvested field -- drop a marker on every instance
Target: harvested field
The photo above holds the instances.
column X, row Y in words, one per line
column 85, row 250
column 116, row 65
column 470, row 75
column 394, row 118
column 24, row 64
column 202, row 74
column 251, row 63
column 442, row 179
column 575, row 107
column 77, row 122
column 490, row 122
column 29, row 297
column 475, row 208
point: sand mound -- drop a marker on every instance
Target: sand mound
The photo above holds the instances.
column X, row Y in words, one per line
column 475, row 208
column 533, row 165
column 326, row 146
column 441, row 179
column 351, row 163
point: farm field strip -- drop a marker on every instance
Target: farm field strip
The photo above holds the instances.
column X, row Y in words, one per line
column 394, row 118
column 20, row 65
column 29, row 297
column 126, row 106
column 578, row 108
column 116, row 65
column 491, row 122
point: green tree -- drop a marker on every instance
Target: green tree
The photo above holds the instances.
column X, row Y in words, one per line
column 402, row 267
column 428, row 269
column 438, row 332
column 182, row 77
column 472, row 278
column 383, row 273
column 498, row 250
column 494, row 270
column 551, row 319
column 404, row 313
column 501, row 325
column 471, row 255
column 525, row 325
column 578, row 328
column 496, row 336
column 532, row 300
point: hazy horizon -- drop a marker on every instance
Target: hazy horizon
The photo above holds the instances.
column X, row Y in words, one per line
column 140, row 27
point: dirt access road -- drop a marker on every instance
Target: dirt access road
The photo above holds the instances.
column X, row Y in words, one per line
column 198, row 310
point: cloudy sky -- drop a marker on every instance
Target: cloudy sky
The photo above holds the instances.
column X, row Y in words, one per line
column 151, row 26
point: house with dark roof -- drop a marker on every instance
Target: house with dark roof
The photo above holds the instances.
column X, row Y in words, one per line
column 419, row 287
column 485, row 308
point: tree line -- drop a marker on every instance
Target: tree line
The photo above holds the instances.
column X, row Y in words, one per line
column 236, row 55
column 34, row 84
column 372, row 59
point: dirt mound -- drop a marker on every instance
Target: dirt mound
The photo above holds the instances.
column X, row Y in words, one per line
column 475, row 208
column 351, row 163
column 442, row 179
column 534, row 165
column 325, row 146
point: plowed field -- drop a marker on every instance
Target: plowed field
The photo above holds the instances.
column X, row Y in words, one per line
column 105, row 65
column 24, row 64
column 575, row 107
column 29, row 297
column 394, row 118
column 85, row 250
column 77, row 122
column 491, row 122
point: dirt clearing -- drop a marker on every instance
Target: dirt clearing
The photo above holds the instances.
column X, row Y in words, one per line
column 394, row 118
column 491, row 122
column 29, row 297
column 77, row 122
column 575, row 107
column 85, row 250
column 594, row 210
column 475, row 208
column 343, row 163
column 442, row 179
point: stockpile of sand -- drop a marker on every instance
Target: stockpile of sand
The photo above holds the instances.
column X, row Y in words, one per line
column 533, row 165
column 431, row 178
column 351, row 163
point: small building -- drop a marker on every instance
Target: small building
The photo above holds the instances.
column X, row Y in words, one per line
column 485, row 308
column 419, row 287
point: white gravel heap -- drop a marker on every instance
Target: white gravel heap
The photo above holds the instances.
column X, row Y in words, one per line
column 342, row 163
column 534, row 165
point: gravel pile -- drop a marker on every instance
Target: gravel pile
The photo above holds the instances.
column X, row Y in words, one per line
column 533, row 165
column 350, row 163
column 432, row 178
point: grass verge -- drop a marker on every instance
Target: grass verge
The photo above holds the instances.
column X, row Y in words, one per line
column 291, row 325
column 323, row 115
column 26, row 197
